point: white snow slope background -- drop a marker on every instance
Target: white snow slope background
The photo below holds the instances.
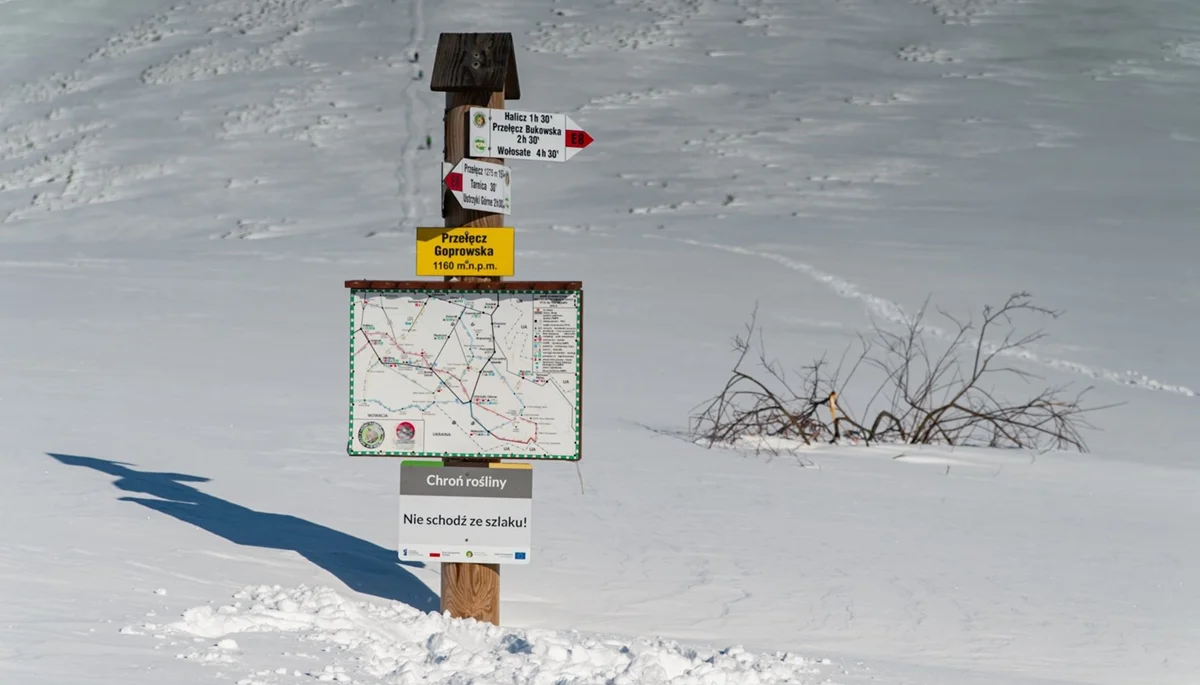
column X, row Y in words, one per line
column 186, row 185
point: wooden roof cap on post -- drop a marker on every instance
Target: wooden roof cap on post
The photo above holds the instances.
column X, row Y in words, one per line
column 476, row 61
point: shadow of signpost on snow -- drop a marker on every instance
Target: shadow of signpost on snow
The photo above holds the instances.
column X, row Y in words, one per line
column 363, row 566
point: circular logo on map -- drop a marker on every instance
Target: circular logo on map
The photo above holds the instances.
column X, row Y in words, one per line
column 371, row 435
column 480, row 144
column 405, row 432
column 470, row 554
column 480, row 120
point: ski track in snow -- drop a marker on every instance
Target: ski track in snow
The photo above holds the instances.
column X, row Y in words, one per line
column 573, row 36
column 53, row 158
column 398, row 644
column 963, row 12
column 407, row 176
column 892, row 312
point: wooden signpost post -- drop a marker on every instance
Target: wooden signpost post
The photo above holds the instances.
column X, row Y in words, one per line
column 473, row 70
column 476, row 71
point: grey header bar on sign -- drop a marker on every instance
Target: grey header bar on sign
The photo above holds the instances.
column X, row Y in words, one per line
column 465, row 481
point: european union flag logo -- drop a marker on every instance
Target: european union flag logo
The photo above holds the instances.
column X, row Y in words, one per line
column 520, row 555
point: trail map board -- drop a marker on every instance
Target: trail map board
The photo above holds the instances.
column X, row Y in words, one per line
column 458, row 370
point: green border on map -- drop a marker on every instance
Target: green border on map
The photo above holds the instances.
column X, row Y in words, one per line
column 433, row 292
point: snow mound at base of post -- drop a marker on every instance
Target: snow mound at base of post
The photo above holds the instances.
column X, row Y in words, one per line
column 398, row 644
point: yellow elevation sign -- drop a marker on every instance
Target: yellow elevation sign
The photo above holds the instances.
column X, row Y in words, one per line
column 465, row 252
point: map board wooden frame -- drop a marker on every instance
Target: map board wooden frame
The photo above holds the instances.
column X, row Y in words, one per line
column 452, row 289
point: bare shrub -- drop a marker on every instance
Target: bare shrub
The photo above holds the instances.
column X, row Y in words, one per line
column 932, row 386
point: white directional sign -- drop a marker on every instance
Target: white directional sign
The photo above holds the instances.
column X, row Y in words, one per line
column 482, row 186
column 509, row 133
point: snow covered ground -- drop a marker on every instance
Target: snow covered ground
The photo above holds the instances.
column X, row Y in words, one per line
column 184, row 187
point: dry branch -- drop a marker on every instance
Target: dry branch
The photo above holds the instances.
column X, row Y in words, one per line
column 932, row 395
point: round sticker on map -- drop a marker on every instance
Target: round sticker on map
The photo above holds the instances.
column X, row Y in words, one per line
column 480, row 120
column 371, row 435
column 405, row 432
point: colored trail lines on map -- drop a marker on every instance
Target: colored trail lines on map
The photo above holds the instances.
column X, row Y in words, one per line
column 465, row 374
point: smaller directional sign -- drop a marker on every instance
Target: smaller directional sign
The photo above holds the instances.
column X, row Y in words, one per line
column 508, row 133
column 482, row 186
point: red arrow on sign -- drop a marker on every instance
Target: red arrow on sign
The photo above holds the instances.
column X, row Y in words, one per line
column 454, row 181
column 578, row 139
